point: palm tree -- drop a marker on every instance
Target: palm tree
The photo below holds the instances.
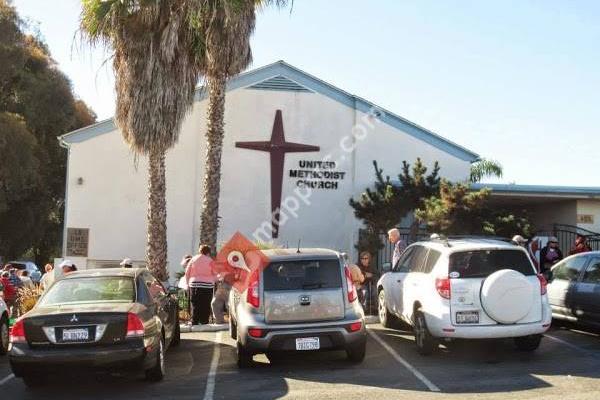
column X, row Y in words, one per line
column 484, row 168
column 157, row 60
column 226, row 27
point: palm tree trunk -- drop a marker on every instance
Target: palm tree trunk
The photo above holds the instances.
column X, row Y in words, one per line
column 156, row 248
column 209, row 221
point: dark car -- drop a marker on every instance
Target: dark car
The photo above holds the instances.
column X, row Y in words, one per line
column 574, row 291
column 109, row 319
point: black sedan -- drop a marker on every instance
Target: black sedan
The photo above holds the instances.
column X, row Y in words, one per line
column 110, row 319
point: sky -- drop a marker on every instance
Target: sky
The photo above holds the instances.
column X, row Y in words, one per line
column 517, row 81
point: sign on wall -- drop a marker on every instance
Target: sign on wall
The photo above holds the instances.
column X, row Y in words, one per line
column 585, row 218
column 77, row 242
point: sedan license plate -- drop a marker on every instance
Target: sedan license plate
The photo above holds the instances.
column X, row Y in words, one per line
column 467, row 317
column 75, row 335
column 308, row 343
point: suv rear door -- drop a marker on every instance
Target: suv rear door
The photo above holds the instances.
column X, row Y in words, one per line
column 467, row 272
column 303, row 290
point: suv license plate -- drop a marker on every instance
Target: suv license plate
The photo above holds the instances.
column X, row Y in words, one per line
column 467, row 317
column 75, row 335
column 308, row 343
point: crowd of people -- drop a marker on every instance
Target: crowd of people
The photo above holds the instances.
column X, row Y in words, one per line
column 13, row 281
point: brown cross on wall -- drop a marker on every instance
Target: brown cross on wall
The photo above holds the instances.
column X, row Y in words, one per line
column 277, row 147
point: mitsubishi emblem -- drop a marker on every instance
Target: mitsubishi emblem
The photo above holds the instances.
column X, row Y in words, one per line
column 74, row 318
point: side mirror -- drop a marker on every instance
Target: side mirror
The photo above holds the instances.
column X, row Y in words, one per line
column 386, row 267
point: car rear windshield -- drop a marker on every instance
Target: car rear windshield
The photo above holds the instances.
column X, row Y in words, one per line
column 303, row 275
column 90, row 290
column 481, row 263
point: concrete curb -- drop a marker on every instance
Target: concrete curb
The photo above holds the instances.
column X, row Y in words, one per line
column 371, row 319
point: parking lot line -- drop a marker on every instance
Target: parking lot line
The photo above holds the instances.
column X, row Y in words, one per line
column 430, row 385
column 8, row 378
column 214, row 364
column 571, row 345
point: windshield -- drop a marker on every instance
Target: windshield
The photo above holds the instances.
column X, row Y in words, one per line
column 90, row 290
column 303, row 275
column 481, row 263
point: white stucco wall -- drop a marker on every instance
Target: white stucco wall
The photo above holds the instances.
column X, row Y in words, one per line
column 589, row 207
column 111, row 202
column 557, row 212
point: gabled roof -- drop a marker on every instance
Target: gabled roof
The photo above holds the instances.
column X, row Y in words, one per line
column 282, row 76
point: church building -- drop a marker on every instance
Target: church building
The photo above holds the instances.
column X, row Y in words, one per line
column 296, row 149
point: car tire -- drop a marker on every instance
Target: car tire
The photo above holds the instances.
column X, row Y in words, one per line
column 4, row 337
column 387, row 319
column 528, row 343
column 157, row 373
column 176, row 334
column 425, row 342
column 244, row 357
column 232, row 329
column 356, row 354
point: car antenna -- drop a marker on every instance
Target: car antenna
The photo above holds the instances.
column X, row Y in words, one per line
column 298, row 251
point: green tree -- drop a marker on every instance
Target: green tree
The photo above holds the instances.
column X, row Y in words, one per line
column 36, row 106
column 157, row 58
column 485, row 168
column 226, row 27
column 387, row 203
column 457, row 210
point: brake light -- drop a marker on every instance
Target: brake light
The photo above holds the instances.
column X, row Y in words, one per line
column 256, row 332
column 135, row 327
column 354, row 327
column 17, row 332
column 543, row 284
column 443, row 287
column 252, row 294
column 352, row 295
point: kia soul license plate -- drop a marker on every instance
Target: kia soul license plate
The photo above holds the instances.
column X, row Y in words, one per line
column 308, row 343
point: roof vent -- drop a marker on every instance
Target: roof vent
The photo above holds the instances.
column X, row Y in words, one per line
column 279, row 83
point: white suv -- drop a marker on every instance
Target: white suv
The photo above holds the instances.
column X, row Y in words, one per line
column 467, row 288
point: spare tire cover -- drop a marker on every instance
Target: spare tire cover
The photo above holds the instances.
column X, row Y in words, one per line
column 507, row 296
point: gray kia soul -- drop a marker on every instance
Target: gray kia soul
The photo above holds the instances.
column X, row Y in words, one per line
column 301, row 301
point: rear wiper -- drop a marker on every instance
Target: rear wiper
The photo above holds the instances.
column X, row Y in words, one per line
column 314, row 285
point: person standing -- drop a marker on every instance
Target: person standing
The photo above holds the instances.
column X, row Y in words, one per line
column 10, row 293
column 200, row 281
column 365, row 290
column 519, row 241
column 27, row 282
column 67, row 267
column 223, row 287
column 549, row 256
column 581, row 245
column 399, row 245
column 48, row 278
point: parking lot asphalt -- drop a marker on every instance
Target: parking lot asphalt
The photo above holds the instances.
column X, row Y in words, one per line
column 567, row 366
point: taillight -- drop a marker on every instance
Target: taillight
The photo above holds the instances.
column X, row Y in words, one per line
column 256, row 332
column 135, row 327
column 17, row 332
column 252, row 294
column 443, row 287
column 352, row 295
column 354, row 327
column 543, row 284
